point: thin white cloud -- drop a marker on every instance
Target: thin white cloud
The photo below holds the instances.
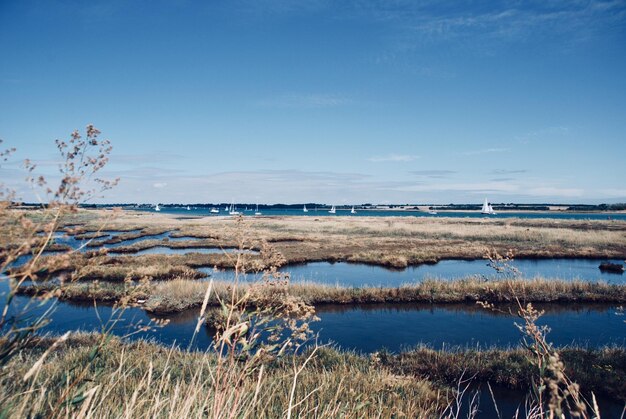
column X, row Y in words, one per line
column 313, row 100
column 485, row 151
column 394, row 158
column 505, row 23
column 543, row 134
column 463, row 187
column 498, row 187
column 555, row 191
column 508, row 171
column 614, row 193
column 159, row 185
column 160, row 156
column 430, row 173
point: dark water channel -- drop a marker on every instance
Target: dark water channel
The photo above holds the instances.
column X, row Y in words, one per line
column 369, row 328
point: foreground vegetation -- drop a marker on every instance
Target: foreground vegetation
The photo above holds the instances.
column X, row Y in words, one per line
column 141, row 379
column 146, row 380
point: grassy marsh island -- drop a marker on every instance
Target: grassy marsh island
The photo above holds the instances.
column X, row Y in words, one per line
column 283, row 241
column 181, row 294
column 399, row 241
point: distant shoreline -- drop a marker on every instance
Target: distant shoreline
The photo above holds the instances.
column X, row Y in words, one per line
column 508, row 211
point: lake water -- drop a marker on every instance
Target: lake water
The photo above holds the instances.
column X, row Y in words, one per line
column 360, row 275
column 323, row 212
column 164, row 250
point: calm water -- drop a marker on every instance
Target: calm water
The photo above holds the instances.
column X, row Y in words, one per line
column 382, row 213
column 75, row 243
column 164, row 250
column 359, row 275
column 511, row 403
column 369, row 328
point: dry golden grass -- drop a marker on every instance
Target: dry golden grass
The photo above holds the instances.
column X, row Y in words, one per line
column 141, row 379
column 182, row 294
column 399, row 241
column 395, row 242
column 145, row 381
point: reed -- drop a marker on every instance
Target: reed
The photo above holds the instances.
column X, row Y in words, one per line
column 141, row 379
column 184, row 293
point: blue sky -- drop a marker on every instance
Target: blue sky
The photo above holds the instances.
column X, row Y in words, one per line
column 325, row 100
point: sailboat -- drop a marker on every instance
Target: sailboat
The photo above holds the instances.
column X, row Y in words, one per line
column 188, row 209
column 215, row 210
column 157, row 208
column 257, row 212
column 332, row 210
column 487, row 208
column 304, row 209
column 232, row 210
column 226, row 209
column 352, row 211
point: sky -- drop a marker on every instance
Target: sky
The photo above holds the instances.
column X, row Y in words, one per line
column 330, row 101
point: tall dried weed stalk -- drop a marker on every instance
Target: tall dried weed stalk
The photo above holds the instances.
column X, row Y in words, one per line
column 26, row 233
column 553, row 393
column 255, row 326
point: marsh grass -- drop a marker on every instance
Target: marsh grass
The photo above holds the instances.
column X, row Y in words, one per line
column 598, row 370
column 407, row 241
column 146, row 380
column 181, row 294
column 142, row 379
column 184, row 293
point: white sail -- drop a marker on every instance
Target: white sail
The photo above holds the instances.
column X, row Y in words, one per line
column 257, row 212
column 332, row 210
column 352, row 211
column 232, row 210
column 485, row 209
column 157, row 208
column 188, row 209
column 304, row 209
